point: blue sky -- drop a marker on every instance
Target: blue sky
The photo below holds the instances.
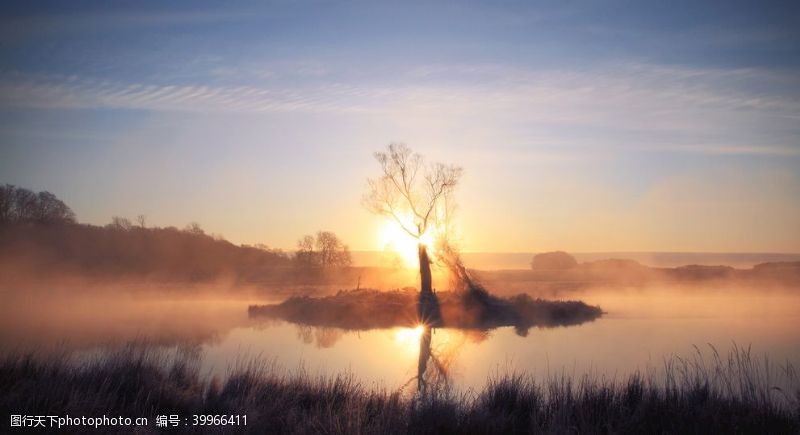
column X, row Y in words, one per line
column 581, row 126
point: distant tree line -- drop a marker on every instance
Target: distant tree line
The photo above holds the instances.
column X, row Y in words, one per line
column 326, row 250
column 22, row 206
column 555, row 260
column 38, row 232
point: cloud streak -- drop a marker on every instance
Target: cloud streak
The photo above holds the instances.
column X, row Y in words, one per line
column 701, row 104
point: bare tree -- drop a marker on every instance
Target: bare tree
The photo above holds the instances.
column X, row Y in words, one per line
column 194, row 228
column 332, row 252
column 141, row 221
column 305, row 254
column 26, row 205
column 18, row 205
column 120, row 223
column 50, row 209
column 415, row 196
column 7, row 205
column 327, row 250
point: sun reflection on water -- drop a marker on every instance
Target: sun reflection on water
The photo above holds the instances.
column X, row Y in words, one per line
column 408, row 338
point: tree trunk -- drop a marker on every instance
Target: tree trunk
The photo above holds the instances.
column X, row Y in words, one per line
column 428, row 306
column 425, row 286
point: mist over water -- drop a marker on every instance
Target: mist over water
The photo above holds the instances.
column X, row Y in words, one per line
column 641, row 327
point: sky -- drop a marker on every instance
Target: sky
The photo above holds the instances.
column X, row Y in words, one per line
column 581, row 126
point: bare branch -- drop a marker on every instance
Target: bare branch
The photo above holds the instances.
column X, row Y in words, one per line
column 400, row 189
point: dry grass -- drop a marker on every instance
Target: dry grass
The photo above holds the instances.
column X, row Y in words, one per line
column 731, row 394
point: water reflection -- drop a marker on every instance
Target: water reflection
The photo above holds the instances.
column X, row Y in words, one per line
column 439, row 348
column 433, row 362
column 641, row 329
column 372, row 309
column 322, row 338
column 431, row 373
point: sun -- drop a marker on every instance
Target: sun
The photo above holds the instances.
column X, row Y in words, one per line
column 393, row 237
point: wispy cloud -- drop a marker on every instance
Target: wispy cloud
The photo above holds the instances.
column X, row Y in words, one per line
column 701, row 104
column 78, row 93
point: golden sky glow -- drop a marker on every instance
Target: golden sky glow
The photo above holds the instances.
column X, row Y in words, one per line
column 393, row 238
column 264, row 129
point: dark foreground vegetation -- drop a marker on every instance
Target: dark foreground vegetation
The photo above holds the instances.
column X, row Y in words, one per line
column 370, row 309
column 727, row 395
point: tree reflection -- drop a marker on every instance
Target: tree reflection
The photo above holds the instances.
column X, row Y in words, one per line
column 321, row 337
column 432, row 371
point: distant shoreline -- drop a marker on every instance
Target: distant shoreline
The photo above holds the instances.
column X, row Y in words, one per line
column 521, row 260
column 45, row 255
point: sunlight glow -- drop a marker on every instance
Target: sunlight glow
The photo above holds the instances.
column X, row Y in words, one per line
column 408, row 338
column 393, row 237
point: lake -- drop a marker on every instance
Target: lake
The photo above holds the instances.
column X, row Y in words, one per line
column 639, row 330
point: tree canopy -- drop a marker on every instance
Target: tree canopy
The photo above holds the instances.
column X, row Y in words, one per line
column 22, row 206
column 412, row 193
column 326, row 250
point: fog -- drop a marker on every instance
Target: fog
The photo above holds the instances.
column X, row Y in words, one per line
column 80, row 288
column 206, row 314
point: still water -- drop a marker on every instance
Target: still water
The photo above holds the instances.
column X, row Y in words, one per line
column 641, row 329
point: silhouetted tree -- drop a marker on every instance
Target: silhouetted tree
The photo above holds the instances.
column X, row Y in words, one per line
column 305, row 255
column 194, row 228
column 324, row 251
column 25, row 205
column 50, row 209
column 332, row 252
column 18, row 205
column 413, row 195
column 556, row 260
column 6, row 203
column 120, row 224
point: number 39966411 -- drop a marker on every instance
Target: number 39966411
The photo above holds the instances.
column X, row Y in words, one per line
column 219, row 420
